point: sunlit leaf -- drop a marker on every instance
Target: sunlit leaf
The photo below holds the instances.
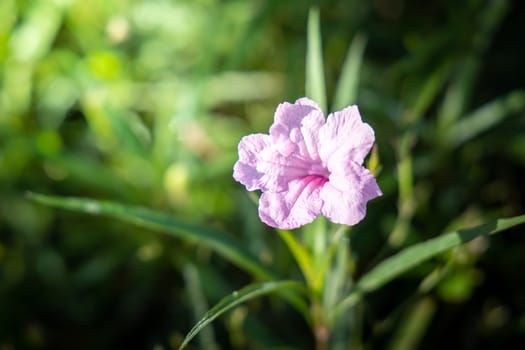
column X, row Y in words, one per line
column 247, row 293
column 198, row 304
column 223, row 243
column 346, row 91
column 412, row 256
column 301, row 255
column 315, row 82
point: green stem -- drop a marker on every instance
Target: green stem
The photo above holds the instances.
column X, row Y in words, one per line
column 320, row 329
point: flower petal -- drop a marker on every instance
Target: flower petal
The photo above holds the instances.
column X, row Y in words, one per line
column 295, row 129
column 262, row 167
column 347, row 192
column 305, row 101
column 290, row 209
column 307, row 166
column 345, row 134
column 245, row 169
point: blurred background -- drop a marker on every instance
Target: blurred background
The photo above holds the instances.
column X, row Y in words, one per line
column 144, row 102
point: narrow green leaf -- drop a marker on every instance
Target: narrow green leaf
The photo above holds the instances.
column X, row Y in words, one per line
column 315, row 84
column 374, row 163
column 432, row 86
column 457, row 95
column 484, row 118
column 128, row 129
column 247, row 293
column 223, row 243
column 301, row 255
column 198, row 304
column 337, row 282
column 406, row 259
column 412, row 256
column 346, row 91
column 414, row 325
column 34, row 36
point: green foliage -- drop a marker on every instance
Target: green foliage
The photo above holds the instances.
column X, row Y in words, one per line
column 220, row 242
column 416, row 254
column 141, row 104
column 238, row 297
column 315, row 81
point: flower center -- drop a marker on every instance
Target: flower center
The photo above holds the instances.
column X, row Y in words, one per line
column 319, row 170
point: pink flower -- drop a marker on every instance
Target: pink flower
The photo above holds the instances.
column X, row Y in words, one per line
column 309, row 166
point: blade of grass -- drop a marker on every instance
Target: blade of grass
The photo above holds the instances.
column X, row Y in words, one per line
column 198, row 304
column 301, row 255
column 346, row 91
column 430, row 89
column 406, row 259
column 247, row 293
column 457, row 95
column 223, row 243
column 485, row 117
column 34, row 37
column 315, row 83
column 414, row 325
